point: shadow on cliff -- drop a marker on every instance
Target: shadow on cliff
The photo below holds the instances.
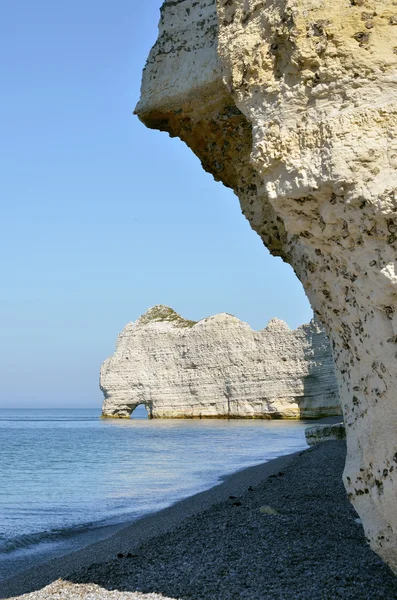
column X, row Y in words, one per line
column 317, row 402
column 320, row 387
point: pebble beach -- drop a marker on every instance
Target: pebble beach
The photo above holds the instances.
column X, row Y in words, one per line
column 281, row 530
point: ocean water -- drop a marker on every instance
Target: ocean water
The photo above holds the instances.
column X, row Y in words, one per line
column 66, row 475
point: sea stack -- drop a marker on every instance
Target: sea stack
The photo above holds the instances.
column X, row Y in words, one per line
column 219, row 368
column 293, row 105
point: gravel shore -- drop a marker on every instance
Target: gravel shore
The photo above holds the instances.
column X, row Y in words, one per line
column 132, row 535
column 291, row 536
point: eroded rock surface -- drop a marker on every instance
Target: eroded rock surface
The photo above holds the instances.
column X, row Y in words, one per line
column 219, row 368
column 325, row 433
column 292, row 104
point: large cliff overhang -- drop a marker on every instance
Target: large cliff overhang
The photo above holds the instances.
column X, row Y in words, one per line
column 293, row 105
column 184, row 94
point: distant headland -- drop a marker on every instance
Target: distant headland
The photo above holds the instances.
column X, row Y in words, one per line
column 219, row 368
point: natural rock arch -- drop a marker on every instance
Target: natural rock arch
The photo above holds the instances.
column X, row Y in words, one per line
column 219, row 368
column 125, row 409
column 293, row 104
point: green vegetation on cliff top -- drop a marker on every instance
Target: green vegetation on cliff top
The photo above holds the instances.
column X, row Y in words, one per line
column 161, row 313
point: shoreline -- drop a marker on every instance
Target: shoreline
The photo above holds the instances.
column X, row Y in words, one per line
column 276, row 416
column 61, row 544
column 281, row 530
column 133, row 533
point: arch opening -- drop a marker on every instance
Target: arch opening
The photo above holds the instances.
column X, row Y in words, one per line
column 140, row 412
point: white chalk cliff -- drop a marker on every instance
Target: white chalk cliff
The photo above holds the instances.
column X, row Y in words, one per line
column 293, row 104
column 219, row 368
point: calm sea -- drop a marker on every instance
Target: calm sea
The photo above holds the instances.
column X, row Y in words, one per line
column 68, row 478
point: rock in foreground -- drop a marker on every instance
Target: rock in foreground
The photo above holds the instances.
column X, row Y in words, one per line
column 293, row 105
column 325, row 433
column 219, row 368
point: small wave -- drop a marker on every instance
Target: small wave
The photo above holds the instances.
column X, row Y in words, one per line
column 28, row 540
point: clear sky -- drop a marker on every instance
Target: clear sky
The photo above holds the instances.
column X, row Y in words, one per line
column 102, row 218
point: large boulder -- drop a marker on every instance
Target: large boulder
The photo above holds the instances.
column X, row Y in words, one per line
column 294, row 106
column 219, row 368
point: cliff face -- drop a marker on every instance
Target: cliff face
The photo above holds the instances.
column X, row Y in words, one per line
column 220, row 368
column 293, row 104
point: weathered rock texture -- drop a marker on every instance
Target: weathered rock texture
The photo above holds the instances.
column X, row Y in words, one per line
column 219, row 367
column 325, row 433
column 293, row 104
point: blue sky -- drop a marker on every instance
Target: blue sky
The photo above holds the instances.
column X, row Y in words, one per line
column 101, row 217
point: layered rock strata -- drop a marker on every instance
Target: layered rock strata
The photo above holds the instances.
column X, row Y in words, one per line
column 293, row 104
column 219, row 368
